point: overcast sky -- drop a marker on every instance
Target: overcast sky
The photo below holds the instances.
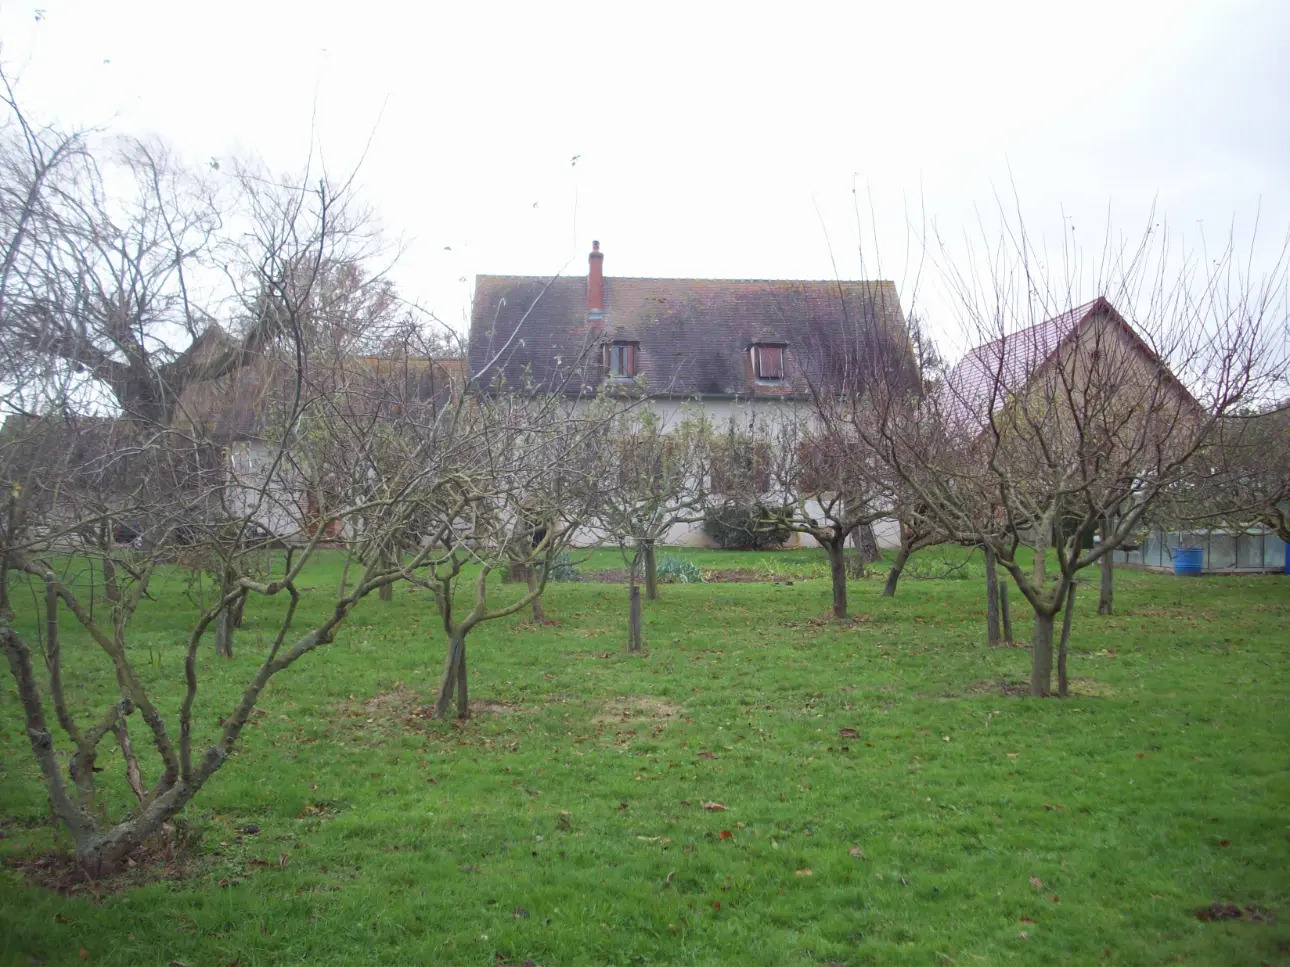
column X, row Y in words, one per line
column 711, row 141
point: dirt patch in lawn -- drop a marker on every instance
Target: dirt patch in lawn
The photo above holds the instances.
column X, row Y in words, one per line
column 167, row 856
column 403, row 706
column 1172, row 614
column 637, row 707
column 730, row 575
column 479, row 707
column 1230, row 911
column 1079, row 688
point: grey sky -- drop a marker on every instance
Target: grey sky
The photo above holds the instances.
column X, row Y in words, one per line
column 713, row 140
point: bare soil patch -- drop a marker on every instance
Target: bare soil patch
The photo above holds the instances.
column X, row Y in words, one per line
column 731, row 575
column 1079, row 688
column 637, row 707
column 166, row 856
column 402, row 706
column 1230, row 911
column 478, row 707
column 1173, row 614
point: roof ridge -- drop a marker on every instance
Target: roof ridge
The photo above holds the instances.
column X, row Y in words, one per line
column 675, row 278
column 1079, row 312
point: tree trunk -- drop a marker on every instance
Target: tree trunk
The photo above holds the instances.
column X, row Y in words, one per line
column 224, row 633
column 893, row 576
column 838, row 572
column 1041, row 656
column 1004, row 614
column 1106, row 594
column 866, row 550
column 463, row 694
column 634, row 642
column 453, row 665
column 867, row 543
column 651, row 571
column 1039, row 573
column 132, row 775
column 515, row 573
column 539, row 614
column 227, row 620
column 1062, row 682
column 993, row 633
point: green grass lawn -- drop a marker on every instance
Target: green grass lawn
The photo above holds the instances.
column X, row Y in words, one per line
column 884, row 801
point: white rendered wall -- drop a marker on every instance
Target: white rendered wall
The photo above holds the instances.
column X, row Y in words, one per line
column 720, row 413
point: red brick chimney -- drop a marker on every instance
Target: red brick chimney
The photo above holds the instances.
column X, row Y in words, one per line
column 596, row 287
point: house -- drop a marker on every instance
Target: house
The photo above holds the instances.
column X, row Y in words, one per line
column 1039, row 365
column 1023, row 363
column 735, row 348
column 239, row 413
column 77, row 472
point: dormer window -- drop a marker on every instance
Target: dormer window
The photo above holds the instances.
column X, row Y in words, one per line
column 620, row 360
column 768, row 363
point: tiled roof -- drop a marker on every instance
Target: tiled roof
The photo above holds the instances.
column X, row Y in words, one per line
column 981, row 382
column 235, row 406
column 693, row 334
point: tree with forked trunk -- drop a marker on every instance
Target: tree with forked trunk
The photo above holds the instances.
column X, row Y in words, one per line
column 518, row 485
column 1066, row 419
column 916, row 534
column 69, row 481
column 1242, row 480
column 110, row 291
column 828, row 482
column 654, row 479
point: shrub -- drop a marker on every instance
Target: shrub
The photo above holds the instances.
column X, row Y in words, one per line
column 746, row 527
column 562, row 568
column 674, row 570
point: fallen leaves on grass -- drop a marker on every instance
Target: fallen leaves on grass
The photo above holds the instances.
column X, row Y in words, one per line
column 714, row 807
column 725, row 834
column 857, row 852
column 1230, row 911
column 804, row 872
column 1037, row 883
column 848, row 734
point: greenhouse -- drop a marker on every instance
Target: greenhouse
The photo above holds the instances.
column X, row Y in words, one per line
column 1251, row 551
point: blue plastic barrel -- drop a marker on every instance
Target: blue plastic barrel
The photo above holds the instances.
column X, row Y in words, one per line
column 1189, row 560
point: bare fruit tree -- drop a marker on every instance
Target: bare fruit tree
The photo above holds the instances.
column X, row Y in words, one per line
column 828, row 483
column 916, row 534
column 71, row 481
column 1068, row 418
column 168, row 377
column 654, row 479
column 1243, row 479
column 128, row 276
